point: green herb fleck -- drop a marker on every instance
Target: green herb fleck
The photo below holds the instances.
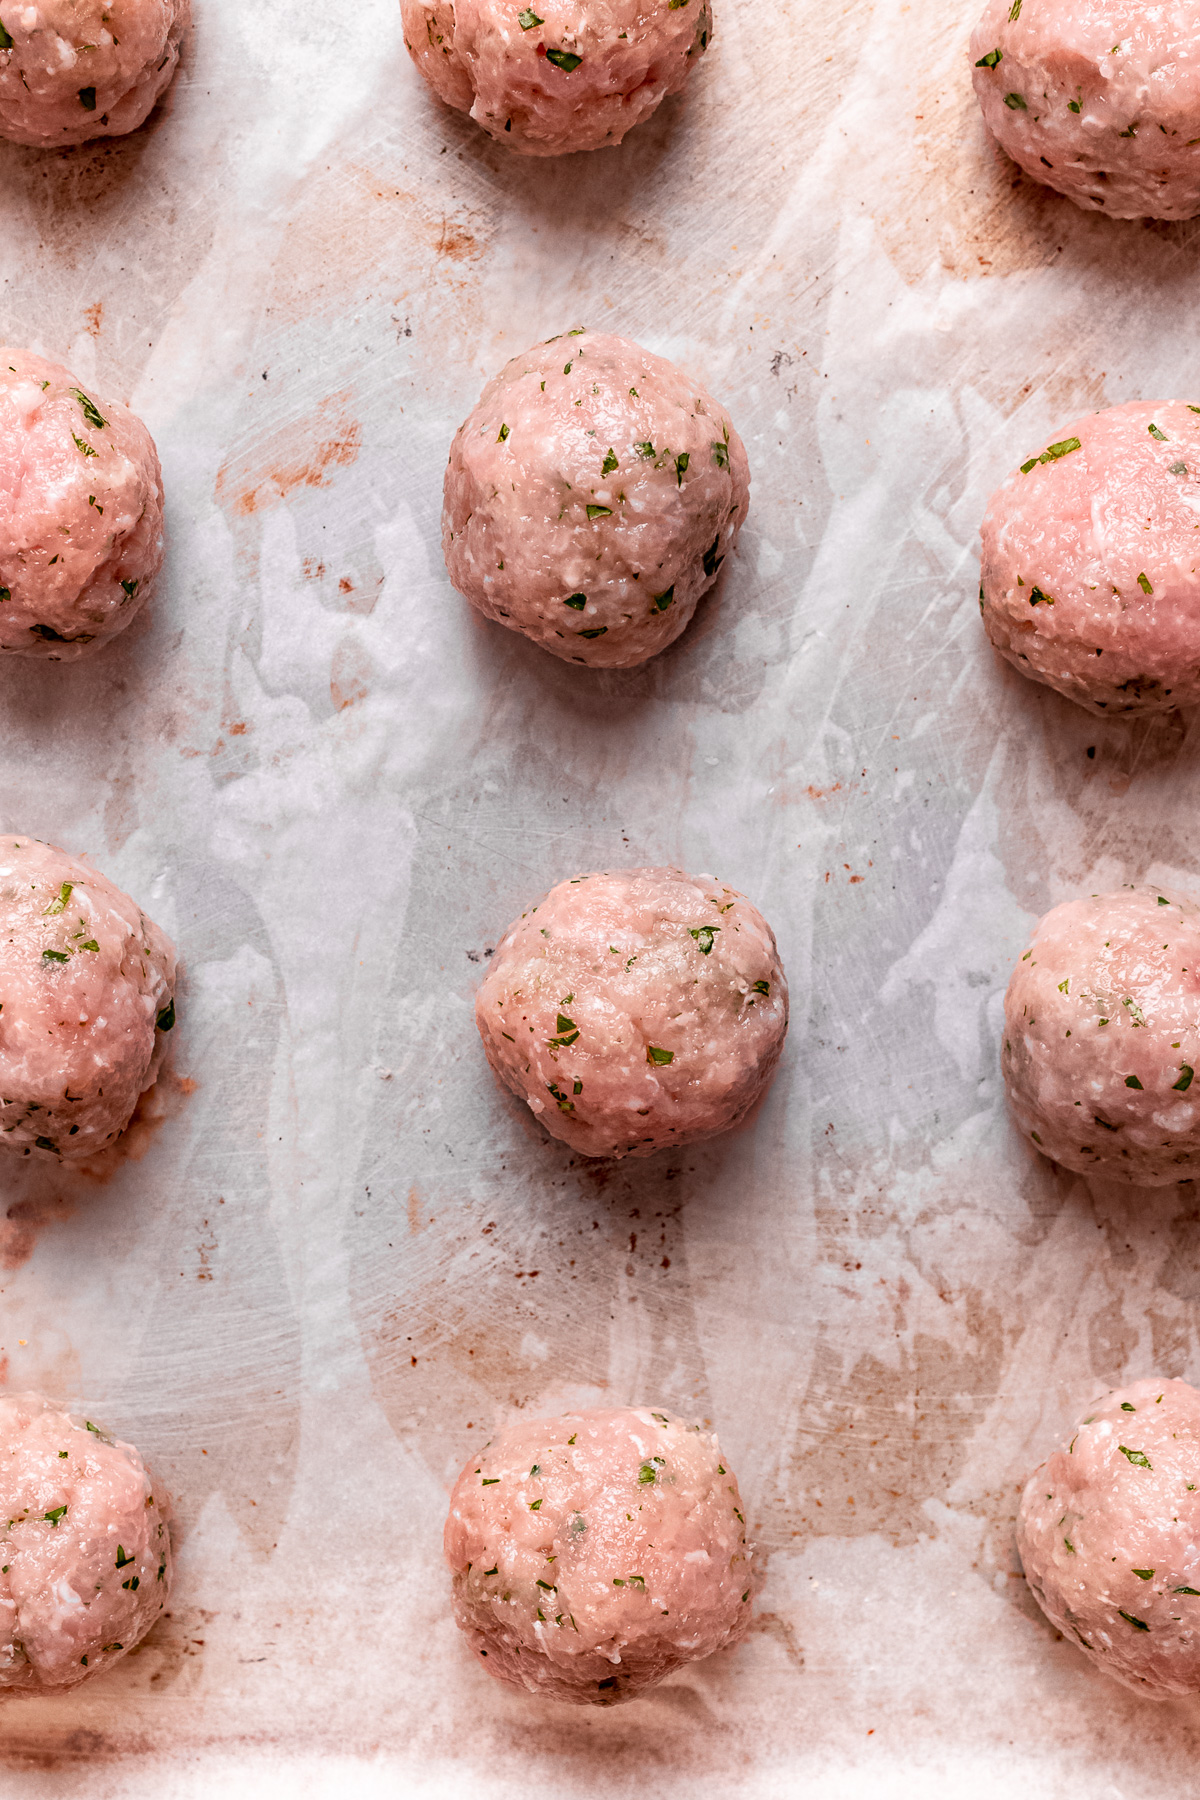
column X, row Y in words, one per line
column 710, row 560
column 1074, row 106
column 681, row 463
column 1138, row 1458
column 1070, row 1545
column 1128, row 1406
column 1015, row 102
column 761, row 987
column 490, row 1481
column 1144, row 583
column 1160, row 436
column 548, row 1586
column 1144, row 1574
column 647, row 1473
column 661, row 1057
column 609, row 463
column 6, row 43
column 122, row 1559
column 528, row 19
column 1131, row 1081
column 720, row 454
column 131, row 587
column 990, row 60
column 1138, row 1624
column 502, row 434
column 1031, row 464
column 1185, row 1079
column 566, row 60
column 598, row 512
column 55, row 1514
column 87, row 99
column 535, row 1506
column 1179, row 468
column 704, row 937
column 660, row 602
column 90, row 411
column 58, row 956
column 84, row 449
column 59, row 903
column 1186, row 1590
column 166, row 1017
column 576, row 602
column 1014, row 12
column 594, row 631
column 646, row 449
column 1036, row 596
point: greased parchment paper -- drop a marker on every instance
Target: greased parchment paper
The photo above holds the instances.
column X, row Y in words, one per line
column 333, row 1255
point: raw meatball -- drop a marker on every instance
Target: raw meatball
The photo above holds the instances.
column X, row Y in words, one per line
column 1109, row 1533
column 81, row 512
column 1098, row 100
column 86, row 1548
column 594, row 1554
column 634, row 1010
column 591, row 497
column 1102, row 1036
column 86, row 996
column 77, row 69
column 1090, row 579
column 576, row 77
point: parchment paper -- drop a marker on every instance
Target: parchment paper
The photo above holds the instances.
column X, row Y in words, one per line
column 333, row 1255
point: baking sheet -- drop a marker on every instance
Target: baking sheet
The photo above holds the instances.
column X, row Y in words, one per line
column 334, row 1255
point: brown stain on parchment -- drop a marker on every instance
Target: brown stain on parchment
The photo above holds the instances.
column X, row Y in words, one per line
column 296, row 454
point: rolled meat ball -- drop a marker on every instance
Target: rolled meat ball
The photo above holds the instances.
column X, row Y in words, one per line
column 635, row 1010
column 87, row 987
column 71, row 70
column 1109, row 1534
column 594, row 1554
column 1102, row 1036
column 81, row 512
column 1090, row 579
column 1101, row 102
column 591, row 497
column 577, row 76
column 86, row 1547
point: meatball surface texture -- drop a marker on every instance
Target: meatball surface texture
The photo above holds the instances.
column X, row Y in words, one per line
column 86, row 998
column 1099, row 99
column 594, row 1554
column 1102, row 1036
column 591, row 497
column 81, row 512
column 87, row 1548
column 1090, row 578
column 1109, row 1533
column 577, row 76
column 71, row 70
column 635, row 1010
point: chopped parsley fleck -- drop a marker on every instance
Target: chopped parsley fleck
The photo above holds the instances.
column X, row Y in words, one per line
column 1036, row 596
column 90, row 411
column 720, row 453
column 1185, row 1590
column 1144, row 1574
column 704, row 937
column 1131, row 1081
column 502, row 434
column 646, row 449
column 122, row 1559
column 1160, row 436
column 1074, row 106
column 661, row 1057
column 59, row 956
column 609, row 463
column 1138, row 1458
column 990, row 60
column 1128, row 1406
column 761, row 987
column 87, row 99
column 548, row 1586
column 1144, row 583
column 494, row 1571
column 1015, row 102
column 535, row 1506
column 660, row 602
column 647, row 1473
column 527, row 19
column 490, row 1481
column 90, row 944
column 55, row 1514
column 595, row 631
column 1138, row 1624
column 131, row 587
column 566, row 60
column 59, row 903
column 6, row 43
column 576, row 602
column 166, row 1017
column 710, row 560
column 1014, row 12
column 83, row 448
column 1178, row 468
column 1185, row 1079
column 598, row 512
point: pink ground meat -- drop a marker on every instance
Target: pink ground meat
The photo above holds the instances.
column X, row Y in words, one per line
column 568, row 77
column 635, row 1010
column 86, row 998
column 1090, row 579
column 1097, row 98
column 591, row 497
column 85, row 1563
column 1102, row 1036
column 81, row 512
column 77, row 69
column 1109, row 1533
column 595, row 1553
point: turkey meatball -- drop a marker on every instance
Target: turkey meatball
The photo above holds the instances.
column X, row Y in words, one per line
column 1102, row 1036
column 595, row 1553
column 81, row 512
column 1109, row 1533
column 87, row 1550
column 77, row 69
column 86, row 999
column 577, row 76
column 591, row 498
column 1090, row 579
column 635, row 1010
column 1098, row 100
